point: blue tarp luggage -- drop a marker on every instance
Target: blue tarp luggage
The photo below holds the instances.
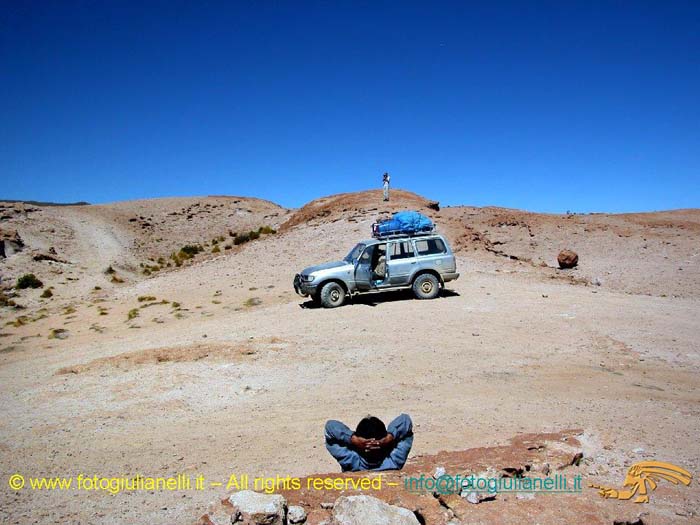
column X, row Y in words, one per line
column 403, row 223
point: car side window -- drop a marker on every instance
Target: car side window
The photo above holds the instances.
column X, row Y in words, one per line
column 430, row 246
column 401, row 250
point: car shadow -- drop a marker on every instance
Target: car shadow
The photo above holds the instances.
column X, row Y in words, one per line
column 378, row 298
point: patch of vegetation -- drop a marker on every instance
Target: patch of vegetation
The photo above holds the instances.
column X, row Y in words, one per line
column 133, row 313
column 148, row 269
column 20, row 321
column 191, row 249
column 241, row 238
column 68, row 310
column 102, row 310
column 176, row 304
column 117, row 279
column 29, row 280
column 97, row 288
column 58, row 333
column 6, row 301
column 186, row 252
column 110, row 270
column 46, row 294
column 164, row 301
column 144, row 298
column 216, row 249
column 252, row 301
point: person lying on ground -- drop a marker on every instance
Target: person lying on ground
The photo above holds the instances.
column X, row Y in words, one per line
column 372, row 446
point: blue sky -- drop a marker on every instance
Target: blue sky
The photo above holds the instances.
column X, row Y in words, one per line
column 545, row 106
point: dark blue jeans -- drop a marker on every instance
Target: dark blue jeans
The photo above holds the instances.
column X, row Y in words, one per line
column 338, row 444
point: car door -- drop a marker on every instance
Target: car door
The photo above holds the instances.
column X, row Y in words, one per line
column 363, row 269
column 401, row 262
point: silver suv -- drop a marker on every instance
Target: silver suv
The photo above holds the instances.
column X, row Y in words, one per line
column 421, row 262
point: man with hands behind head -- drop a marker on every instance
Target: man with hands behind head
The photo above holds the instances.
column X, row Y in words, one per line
column 372, row 446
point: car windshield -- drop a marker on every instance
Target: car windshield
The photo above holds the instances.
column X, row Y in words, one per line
column 354, row 254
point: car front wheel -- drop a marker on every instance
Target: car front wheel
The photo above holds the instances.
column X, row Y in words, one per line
column 332, row 295
column 426, row 286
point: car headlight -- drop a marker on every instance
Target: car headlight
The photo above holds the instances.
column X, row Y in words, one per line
column 307, row 278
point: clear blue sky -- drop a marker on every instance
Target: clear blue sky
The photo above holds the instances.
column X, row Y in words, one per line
column 547, row 106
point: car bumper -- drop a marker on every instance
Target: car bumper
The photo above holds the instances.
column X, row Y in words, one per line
column 303, row 288
column 446, row 277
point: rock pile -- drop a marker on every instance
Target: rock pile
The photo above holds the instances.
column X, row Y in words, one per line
column 253, row 508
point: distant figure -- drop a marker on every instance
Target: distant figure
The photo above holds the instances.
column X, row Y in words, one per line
column 385, row 183
column 372, row 446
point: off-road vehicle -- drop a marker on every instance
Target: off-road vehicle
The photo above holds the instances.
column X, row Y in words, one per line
column 422, row 262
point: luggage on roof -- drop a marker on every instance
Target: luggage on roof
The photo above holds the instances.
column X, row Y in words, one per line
column 403, row 223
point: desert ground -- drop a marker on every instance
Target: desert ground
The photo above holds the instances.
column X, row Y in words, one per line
column 145, row 360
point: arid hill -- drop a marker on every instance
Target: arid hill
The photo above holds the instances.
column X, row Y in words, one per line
column 164, row 336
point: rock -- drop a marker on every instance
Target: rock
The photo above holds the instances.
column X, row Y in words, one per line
column 253, row 508
column 327, row 505
column 567, row 259
column 367, row 510
column 472, row 498
column 296, row 514
column 477, row 497
column 10, row 243
column 47, row 257
column 215, row 518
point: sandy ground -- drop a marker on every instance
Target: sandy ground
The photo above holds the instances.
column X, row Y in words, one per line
column 241, row 374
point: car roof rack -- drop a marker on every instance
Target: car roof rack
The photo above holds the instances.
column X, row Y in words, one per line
column 398, row 234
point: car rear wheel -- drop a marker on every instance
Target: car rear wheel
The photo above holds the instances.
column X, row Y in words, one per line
column 426, row 286
column 332, row 295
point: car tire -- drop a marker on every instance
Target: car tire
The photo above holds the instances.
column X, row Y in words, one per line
column 332, row 295
column 426, row 286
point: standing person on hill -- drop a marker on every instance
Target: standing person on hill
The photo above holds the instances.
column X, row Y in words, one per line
column 385, row 184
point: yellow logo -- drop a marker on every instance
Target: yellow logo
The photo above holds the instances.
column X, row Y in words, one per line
column 643, row 477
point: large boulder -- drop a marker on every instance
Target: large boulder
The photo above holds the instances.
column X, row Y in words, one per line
column 367, row 510
column 254, row 508
column 567, row 259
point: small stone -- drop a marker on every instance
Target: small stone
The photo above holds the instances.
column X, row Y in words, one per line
column 473, row 498
column 296, row 514
column 439, row 472
column 326, row 505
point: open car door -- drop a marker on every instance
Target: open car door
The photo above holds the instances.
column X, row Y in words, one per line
column 365, row 277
